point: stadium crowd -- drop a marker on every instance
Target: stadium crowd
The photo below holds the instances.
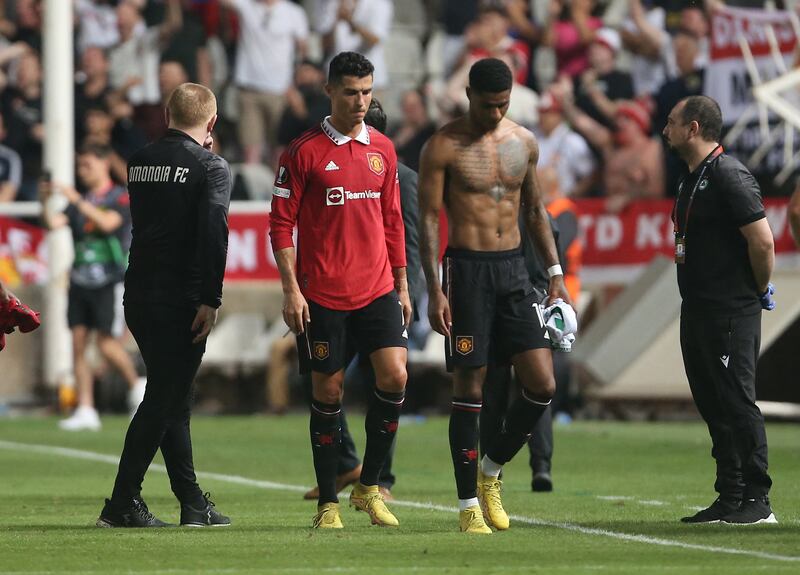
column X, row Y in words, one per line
column 597, row 94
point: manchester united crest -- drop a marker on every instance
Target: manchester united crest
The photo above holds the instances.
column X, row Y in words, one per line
column 464, row 344
column 375, row 162
column 321, row 350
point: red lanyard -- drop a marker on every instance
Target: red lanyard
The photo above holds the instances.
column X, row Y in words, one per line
column 711, row 157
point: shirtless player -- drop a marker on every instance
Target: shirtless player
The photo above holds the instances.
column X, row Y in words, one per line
column 483, row 168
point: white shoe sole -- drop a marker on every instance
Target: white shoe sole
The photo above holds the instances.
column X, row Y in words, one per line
column 767, row 520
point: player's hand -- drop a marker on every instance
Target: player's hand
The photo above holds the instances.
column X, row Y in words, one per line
column 557, row 290
column 439, row 313
column 765, row 298
column 405, row 301
column 208, row 143
column 295, row 311
column 204, row 320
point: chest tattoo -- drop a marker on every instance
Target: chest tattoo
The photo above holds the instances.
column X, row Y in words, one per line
column 512, row 158
column 491, row 169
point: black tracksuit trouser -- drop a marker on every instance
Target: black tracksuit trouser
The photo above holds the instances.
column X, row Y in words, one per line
column 164, row 336
column 720, row 356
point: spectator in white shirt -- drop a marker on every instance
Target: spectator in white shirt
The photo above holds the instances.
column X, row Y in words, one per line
column 648, row 64
column 272, row 38
column 658, row 43
column 98, row 24
column 358, row 26
column 134, row 62
column 563, row 150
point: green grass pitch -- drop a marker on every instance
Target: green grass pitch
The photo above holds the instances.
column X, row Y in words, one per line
column 619, row 492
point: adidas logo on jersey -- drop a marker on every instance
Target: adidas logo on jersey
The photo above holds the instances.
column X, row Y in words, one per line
column 331, row 167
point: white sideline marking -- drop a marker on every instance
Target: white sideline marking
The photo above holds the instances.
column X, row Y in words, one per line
column 92, row 456
column 651, row 502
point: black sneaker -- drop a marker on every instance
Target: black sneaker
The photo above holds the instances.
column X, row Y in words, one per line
column 714, row 513
column 206, row 516
column 542, row 482
column 751, row 512
column 136, row 515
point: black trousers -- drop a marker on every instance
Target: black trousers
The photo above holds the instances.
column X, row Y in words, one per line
column 164, row 336
column 348, row 454
column 720, row 356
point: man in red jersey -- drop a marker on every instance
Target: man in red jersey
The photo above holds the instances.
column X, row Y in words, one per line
column 338, row 184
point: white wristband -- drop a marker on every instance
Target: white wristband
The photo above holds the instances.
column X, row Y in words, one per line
column 555, row 271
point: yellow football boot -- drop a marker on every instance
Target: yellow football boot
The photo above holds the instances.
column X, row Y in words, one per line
column 369, row 499
column 471, row 521
column 489, row 498
column 327, row 517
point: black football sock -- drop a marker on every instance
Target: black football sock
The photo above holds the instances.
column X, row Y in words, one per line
column 464, row 445
column 381, row 427
column 326, row 434
column 519, row 422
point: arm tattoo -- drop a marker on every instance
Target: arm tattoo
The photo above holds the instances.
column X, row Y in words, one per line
column 429, row 250
column 536, row 220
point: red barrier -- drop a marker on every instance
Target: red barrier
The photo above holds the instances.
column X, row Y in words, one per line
column 644, row 229
column 630, row 238
column 612, row 242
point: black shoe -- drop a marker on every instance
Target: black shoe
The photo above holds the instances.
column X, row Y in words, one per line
column 135, row 515
column 207, row 516
column 751, row 512
column 542, row 482
column 714, row 513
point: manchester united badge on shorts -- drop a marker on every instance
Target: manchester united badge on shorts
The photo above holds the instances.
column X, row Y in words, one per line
column 464, row 344
column 375, row 162
column 321, row 350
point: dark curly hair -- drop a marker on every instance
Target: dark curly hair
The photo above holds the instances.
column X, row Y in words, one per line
column 375, row 116
column 490, row 76
column 349, row 64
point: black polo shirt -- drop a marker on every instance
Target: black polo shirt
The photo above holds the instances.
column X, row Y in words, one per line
column 717, row 278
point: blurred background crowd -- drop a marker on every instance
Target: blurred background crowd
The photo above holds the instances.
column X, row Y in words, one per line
column 594, row 79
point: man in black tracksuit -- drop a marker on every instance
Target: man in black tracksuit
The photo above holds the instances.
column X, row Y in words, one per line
column 724, row 254
column 179, row 193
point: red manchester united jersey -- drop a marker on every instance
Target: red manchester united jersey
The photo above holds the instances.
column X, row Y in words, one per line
column 343, row 195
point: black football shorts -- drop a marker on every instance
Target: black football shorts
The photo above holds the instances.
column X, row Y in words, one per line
column 333, row 336
column 493, row 304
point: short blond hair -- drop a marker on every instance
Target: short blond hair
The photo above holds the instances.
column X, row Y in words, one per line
column 191, row 106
